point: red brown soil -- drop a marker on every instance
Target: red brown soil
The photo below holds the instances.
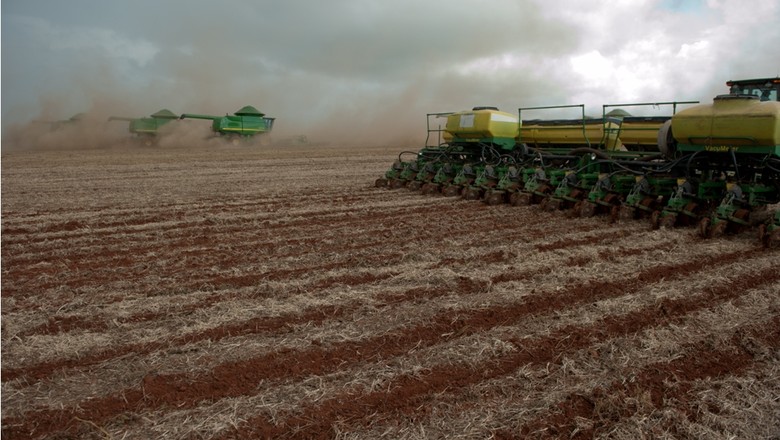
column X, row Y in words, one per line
column 76, row 270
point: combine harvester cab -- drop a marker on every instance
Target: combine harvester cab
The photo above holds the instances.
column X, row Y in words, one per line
column 147, row 129
column 456, row 154
column 731, row 150
column 244, row 124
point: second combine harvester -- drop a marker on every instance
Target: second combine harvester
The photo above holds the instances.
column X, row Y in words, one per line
column 715, row 166
column 243, row 124
column 147, row 129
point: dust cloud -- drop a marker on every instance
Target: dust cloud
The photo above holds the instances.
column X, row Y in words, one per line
column 347, row 72
column 366, row 76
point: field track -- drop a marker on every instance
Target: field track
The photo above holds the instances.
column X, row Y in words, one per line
column 275, row 293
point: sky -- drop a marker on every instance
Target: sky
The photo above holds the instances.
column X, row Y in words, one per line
column 368, row 71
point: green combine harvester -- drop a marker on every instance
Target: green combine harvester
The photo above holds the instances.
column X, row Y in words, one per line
column 242, row 125
column 147, row 129
column 73, row 121
column 715, row 166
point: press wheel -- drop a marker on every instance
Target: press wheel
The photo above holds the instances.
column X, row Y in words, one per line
column 587, row 209
column 494, row 198
column 668, row 221
column 704, row 227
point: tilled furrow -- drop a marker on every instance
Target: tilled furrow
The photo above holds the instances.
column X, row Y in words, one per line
column 323, row 205
column 118, row 265
column 534, row 392
column 407, row 393
column 537, row 267
column 657, row 384
column 183, row 391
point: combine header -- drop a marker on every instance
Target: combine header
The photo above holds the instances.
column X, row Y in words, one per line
column 147, row 129
column 243, row 124
column 716, row 166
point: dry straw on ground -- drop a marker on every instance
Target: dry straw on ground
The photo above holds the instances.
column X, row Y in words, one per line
column 248, row 292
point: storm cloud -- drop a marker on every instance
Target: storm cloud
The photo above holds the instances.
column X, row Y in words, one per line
column 367, row 71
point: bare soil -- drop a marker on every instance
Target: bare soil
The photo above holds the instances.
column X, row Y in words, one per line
column 275, row 293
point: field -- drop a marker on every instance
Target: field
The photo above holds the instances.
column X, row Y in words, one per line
column 249, row 293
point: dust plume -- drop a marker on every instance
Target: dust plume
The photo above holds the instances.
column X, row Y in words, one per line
column 359, row 72
column 82, row 131
column 366, row 76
